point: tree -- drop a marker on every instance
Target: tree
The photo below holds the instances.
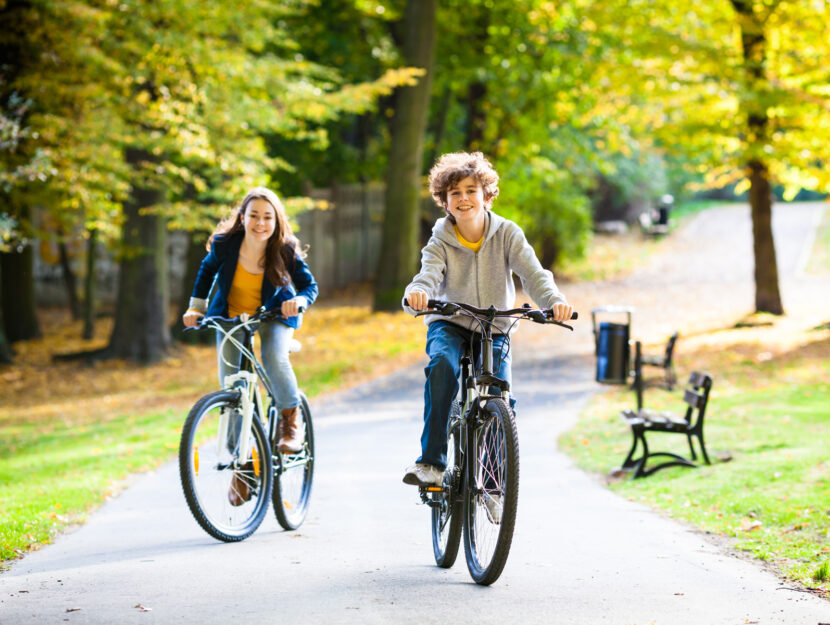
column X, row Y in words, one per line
column 399, row 245
column 740, row 88
column 182, row 97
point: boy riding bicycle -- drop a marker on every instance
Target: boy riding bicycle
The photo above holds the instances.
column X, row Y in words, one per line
column 470, row 258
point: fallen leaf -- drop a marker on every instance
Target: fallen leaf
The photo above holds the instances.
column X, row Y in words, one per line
column 142, row 608
column 72, row 609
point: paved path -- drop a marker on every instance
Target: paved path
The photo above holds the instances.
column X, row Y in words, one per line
column 580, row 554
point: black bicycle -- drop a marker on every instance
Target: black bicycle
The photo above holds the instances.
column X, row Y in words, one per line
column 228, row 447
column 480, row 490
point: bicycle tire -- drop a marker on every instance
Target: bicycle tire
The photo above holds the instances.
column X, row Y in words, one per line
column 446, row 515
column 494, row 466
column 207, row 468
column 293, row 476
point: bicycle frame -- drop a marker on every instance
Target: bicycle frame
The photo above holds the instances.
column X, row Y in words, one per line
column 244, row 382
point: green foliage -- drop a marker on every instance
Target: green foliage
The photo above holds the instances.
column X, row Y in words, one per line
column 196, row 87
column 546, row 200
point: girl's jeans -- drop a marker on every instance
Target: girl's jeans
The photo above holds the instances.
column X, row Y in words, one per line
column 274, row 340
column 445, row 345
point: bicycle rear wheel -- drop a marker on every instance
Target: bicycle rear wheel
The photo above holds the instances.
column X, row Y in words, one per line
column 493, row 494
column 208, row 466
column 446, row 506
column 293, row 476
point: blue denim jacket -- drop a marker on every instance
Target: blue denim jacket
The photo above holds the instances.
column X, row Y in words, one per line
column 219, row 266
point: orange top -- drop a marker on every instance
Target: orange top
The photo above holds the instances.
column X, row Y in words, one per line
column 468, row 244
column 245, row 295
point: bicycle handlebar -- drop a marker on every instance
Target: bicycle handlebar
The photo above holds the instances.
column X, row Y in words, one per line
column 260, row 315
column 543, row 315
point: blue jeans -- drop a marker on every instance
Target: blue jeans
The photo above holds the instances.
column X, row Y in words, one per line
column 445, row 345
column 274, row 338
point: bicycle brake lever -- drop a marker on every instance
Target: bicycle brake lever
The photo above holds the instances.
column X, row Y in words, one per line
column 536, row 315
column 559, row 323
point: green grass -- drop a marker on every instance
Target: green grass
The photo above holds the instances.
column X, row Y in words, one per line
column 772, row 497
column 52, row 476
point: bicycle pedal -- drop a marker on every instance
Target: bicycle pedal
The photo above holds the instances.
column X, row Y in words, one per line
column 431, row 489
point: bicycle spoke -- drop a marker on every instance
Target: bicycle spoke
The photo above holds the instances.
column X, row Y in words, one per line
column 293, row 476
column 490, row 506
column 215, row 477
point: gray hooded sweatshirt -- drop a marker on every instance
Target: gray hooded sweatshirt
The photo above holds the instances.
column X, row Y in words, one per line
column 454, row 273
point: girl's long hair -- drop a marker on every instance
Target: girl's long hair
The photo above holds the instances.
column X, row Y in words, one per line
column 281, row 249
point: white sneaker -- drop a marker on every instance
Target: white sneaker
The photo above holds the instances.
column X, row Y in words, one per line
column 420, row 474
column 494, row 505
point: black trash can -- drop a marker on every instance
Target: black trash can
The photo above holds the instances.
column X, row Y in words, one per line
column 663, row 210
column 612, row 347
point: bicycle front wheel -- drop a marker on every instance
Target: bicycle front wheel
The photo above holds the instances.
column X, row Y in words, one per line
column 446, row 505
column 227, row 488
column 493, row 494
column 293, row 475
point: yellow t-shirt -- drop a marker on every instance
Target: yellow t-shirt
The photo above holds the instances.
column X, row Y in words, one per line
column 245, row 295
column 473, row 246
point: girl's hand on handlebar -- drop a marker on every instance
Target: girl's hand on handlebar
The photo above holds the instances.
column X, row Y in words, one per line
column 417, row 300
column 291, row 307
column 191, row 318
column 562, row 312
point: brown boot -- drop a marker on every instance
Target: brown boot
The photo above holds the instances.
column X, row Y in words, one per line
column 240, row 490
column 291, row 438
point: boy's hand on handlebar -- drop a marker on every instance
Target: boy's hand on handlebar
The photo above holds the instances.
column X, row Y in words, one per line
column 191, row 318
column 417, row 300
column 562, row 312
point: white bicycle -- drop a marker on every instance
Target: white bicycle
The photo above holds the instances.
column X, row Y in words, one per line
column 229, row 463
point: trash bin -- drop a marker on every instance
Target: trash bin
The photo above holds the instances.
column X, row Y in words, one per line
column 663, row 210
column 611, row 343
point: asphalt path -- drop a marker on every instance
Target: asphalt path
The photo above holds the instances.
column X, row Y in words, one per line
column 580, row 554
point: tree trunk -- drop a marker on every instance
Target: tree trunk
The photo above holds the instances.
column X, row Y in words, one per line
column 753, row 42
column 69, row 281
column 767, row 296
column 140, row 332
column 440, row 125
column 476, row 118
column 5, row 348
column 477, row 91
column 550, row 251
column 193, row 259
column 89, row 284
column 399, row 246
column 17, row 295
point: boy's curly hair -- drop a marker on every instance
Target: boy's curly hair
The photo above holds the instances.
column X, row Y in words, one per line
column 452, row 168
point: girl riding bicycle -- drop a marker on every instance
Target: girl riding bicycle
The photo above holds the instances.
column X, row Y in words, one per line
column 470, row 258
column 255, row 260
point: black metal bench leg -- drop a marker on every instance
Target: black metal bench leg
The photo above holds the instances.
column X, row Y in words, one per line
column 703, row 447
column 691, row 447
column 671, row 378
column 629, row 461
column 640, row 467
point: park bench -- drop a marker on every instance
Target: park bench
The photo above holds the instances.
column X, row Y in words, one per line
column 651, row 226
column 690, row 424
column 663, row 361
